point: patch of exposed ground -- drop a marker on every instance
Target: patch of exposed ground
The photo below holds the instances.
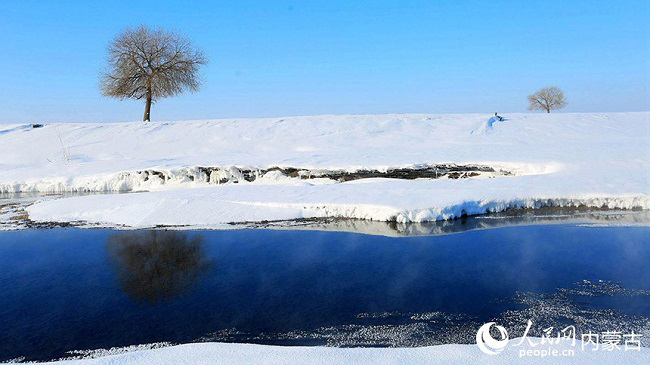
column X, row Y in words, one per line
column 221, row 175
column 140, row 180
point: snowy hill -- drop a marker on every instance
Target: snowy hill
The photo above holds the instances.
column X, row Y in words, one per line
column 206, row 173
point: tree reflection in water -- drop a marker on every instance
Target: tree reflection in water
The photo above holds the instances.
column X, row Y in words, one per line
column 153, row 266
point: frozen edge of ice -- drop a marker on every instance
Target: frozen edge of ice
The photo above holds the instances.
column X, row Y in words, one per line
column 195, row 176
column 61, row 210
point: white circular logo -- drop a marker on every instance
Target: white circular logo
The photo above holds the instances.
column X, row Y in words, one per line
column 489, row 345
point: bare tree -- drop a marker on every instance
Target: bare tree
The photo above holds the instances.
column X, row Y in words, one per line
column 150, row 64
column 548, row 98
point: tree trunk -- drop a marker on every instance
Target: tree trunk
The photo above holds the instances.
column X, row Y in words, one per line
column 147, row 108
column 548, row 110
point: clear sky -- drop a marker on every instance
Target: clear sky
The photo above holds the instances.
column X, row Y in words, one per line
column 279, row 58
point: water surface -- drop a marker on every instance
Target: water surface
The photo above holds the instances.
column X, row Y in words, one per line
column 70, row 289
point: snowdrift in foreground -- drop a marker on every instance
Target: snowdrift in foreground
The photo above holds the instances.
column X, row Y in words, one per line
column 227, row 353
column 596, row 160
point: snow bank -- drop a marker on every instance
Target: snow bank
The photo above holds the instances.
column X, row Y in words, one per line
column 225, row 353
column 596, row 160
column 195, row 176
column 375, row 199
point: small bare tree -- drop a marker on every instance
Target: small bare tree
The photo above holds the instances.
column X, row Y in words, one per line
column 150, row 64
column 548, row 98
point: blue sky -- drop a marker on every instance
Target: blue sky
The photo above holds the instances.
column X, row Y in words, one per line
column 279, row 58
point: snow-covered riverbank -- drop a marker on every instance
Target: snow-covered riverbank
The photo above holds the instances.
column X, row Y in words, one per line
column 596, row 160
column 229, row 353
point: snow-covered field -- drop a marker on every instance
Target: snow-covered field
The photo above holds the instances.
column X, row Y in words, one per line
column 597, row 160
column 229, row 353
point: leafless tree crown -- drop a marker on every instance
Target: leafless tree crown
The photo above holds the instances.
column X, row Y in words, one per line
column 150, row 64
column 548, row 98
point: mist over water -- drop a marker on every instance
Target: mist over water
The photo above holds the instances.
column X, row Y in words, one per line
column 74, row 289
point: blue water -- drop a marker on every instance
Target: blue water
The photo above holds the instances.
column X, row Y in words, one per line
column 67, row 289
